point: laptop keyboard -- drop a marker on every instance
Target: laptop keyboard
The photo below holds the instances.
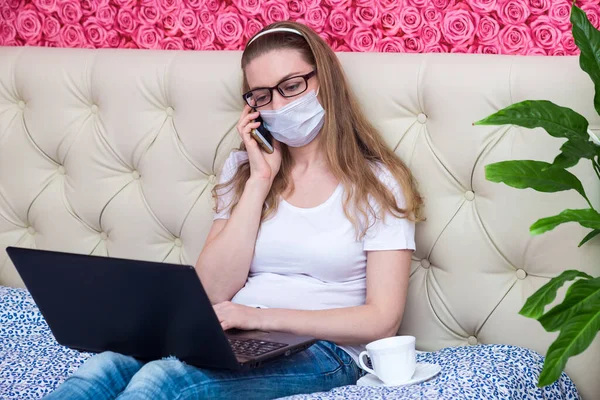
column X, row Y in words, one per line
column 253, row 347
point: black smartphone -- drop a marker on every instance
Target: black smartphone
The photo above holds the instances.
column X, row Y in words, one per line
column 263, row 136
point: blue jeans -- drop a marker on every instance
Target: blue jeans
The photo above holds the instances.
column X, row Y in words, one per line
column 109, row 375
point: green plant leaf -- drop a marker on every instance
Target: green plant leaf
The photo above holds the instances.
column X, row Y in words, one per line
column 589, row 237
column 573, row 150
column 582, row 295
column 537, row 175
column 535, row 304
column 587, row 217
column 587, row 39
column 575, row 336
column 556, row 120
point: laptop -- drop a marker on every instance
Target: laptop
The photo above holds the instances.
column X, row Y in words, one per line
column 147, row 310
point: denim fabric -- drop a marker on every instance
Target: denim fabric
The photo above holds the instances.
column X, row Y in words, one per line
column 108, row 375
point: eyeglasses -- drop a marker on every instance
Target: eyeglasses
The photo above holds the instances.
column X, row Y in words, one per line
column 289, row 87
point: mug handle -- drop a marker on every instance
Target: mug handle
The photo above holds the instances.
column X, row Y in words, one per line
column 362, row 364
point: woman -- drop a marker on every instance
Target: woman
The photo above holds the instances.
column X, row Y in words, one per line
column 314, row 239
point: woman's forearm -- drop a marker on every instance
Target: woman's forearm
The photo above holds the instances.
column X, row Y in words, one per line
column 350, row 326
column 224, row 262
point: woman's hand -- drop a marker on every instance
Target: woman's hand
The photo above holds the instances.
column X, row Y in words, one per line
column 263, row 166
column 233, row 315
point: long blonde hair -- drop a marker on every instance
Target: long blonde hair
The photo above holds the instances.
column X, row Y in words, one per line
column 352, row 145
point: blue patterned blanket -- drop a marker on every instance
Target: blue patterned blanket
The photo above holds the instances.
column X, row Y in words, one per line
column 32, row 364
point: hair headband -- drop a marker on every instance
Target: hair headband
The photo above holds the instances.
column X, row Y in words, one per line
column 274, row 30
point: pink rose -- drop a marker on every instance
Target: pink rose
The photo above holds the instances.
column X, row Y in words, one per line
column 436, row 48
column 325, row 36
column 229, row 28
column 430, row 35
column 149, row 15
column 536, row 51
column 431, row 15
column 488, row 49
column 458, row 27
column 339, row 4
column 384, row 5
column 128, row 44
column 48, row 43
column 70, row 13
column 46, row 6
column 88, row 7
column 94, row 31
column 170, row 5
column 15, row 42
column 487, row 30
column 275, row 11
column 539, row 6
column 513, row 11
column 126, row 21
column 593, row 14
column 251, row 7
column 253, row 26
column 206, row 36
column 125, row 3
column 206, row 17
column 413, row 44
column 365, row 16
column 363, row 40
column 7, row 14
column 147, row 37
column 213, row 5
column 170, row 24
column 568, row 42
column 29, row 25
column 191, row 43
column 340, row 47
column 195, row 5
column 514, row 39
column 113, row 39
column 558, row 51
column 188, row 21
column 106, row 16
column 544, row 33
column 173, row 43
column 15, row 4
column 339, row 23
column 463, row 49
column 390, row 22
column 560, row 13
column 482, row 6
column 410, row 19
column 443, row 4
column 297, row 8
column 391, row 45
column 51, row 27
column 418, row 3
column 8, row 33
column 315, row 18
column 72, row 35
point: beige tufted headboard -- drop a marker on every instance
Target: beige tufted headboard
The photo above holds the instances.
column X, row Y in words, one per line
column 114, row 152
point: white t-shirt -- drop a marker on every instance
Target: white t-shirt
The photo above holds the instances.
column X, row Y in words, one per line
column 309, row 258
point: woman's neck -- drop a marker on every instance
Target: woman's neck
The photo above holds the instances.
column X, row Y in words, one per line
column 309, row 156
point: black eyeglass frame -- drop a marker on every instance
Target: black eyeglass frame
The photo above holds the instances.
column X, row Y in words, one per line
column 306, row 77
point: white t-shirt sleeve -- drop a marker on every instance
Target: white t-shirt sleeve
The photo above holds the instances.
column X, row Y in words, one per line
column 391, row 233
column 225, row 198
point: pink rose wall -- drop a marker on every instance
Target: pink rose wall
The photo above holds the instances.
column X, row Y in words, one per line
column 469, row 26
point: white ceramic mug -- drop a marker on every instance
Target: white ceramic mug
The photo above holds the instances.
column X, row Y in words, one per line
column 393, row 359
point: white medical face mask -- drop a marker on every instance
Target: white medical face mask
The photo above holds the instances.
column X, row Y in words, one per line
column 297, row 123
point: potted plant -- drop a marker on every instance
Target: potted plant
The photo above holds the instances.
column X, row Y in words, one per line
column 578, row 316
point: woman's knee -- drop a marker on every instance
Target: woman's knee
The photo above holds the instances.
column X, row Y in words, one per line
column 109, row 363
column 160, row 379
